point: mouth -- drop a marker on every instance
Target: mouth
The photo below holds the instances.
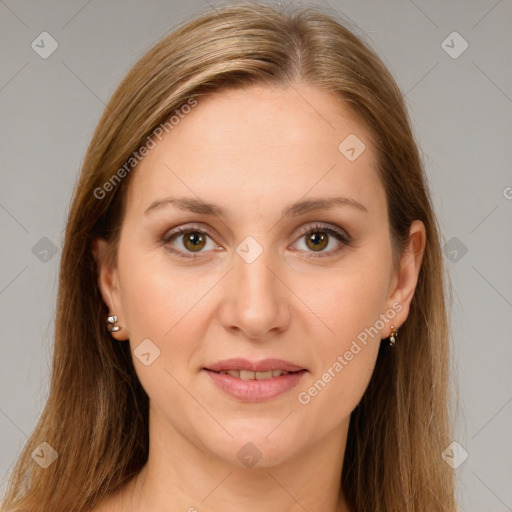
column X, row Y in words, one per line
column 255, row 381
column 246, row 367
column 248, row 375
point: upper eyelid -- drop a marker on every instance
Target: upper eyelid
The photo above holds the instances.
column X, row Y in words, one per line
column 180, row 230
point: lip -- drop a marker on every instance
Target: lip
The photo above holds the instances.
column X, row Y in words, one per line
column 264, row 365
column 255, row 390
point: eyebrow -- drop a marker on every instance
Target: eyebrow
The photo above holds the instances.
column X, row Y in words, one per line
column 195, row 205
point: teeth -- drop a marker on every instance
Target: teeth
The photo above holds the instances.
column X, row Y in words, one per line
column 263, row 375
column 248, row 375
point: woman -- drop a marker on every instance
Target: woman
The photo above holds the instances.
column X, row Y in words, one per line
column 251, row 310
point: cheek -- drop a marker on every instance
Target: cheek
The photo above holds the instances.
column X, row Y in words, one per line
column 161, row 303
column 347, row 299
column 156, row 295
column 349, row 302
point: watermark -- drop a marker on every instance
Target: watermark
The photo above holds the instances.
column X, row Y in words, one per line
column 249, row 249
column 454, row 455
column 44, row 249
column 507, row 192
column 454, row 45
column 454, row 249
column 304, row 397
column 149, row 144
column 44, row 45
column 45, row 455
column 249, row 455
column 351, row 147
column 146, row 352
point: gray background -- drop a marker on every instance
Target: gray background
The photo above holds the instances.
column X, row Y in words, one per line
column 461, row 112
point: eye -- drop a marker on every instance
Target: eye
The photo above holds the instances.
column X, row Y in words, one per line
column 191, row 240
column 318, row 237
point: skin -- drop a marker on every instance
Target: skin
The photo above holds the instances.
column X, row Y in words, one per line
column 253, row 152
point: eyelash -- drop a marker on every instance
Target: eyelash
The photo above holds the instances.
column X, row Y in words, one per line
column 339, row 235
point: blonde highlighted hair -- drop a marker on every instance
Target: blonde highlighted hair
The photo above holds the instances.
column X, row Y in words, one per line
column 96, row 415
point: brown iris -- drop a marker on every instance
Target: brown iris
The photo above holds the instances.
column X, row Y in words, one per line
column 194, row 241
column 317, row 239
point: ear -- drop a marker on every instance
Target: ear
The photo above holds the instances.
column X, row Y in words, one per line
column 404, row 281
column 109, row 286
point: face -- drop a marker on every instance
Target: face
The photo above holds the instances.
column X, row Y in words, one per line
column 278, row 250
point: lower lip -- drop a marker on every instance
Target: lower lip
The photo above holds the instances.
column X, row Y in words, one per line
column 255, row 390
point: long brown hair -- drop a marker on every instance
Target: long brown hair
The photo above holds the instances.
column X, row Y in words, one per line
column 96, row 416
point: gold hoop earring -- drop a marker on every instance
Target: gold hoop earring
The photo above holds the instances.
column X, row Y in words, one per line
column 112, row 324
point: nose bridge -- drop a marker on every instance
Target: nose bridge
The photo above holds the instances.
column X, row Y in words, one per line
column 254, row 276
column 256, row 302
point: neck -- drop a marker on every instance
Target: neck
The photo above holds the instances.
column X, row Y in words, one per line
column 179, row 476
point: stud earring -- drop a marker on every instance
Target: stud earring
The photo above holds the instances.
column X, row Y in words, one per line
column 112, row 324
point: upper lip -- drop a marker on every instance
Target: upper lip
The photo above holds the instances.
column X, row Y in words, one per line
column 264, row 365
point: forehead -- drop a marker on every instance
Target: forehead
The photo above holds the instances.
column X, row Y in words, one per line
column 260, row 146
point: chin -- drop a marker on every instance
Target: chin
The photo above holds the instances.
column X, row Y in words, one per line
column 256, row 446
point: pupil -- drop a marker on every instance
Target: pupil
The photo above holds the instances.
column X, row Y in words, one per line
column 318, row 240
column 194, row 241
column 194, row 238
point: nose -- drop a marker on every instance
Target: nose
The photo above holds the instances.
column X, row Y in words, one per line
column 255, row 299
